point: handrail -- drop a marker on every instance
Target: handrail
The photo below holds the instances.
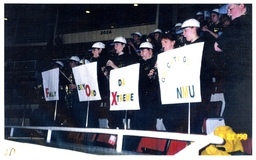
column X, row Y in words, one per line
column 199, row 141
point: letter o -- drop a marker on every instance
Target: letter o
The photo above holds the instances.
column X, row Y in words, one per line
column 119, row 82
column 163, row 79
column 87, row 90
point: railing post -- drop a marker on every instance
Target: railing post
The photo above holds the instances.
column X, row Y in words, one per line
column 119, row 142
column 11, row 132
column 49, row 134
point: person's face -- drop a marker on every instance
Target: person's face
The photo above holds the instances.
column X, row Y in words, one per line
column 214, row 17
column 56, row 66
column 73, row 64
column 177, row 28
column 146, row 54
column 235, row 10
column 96, row 52
column 200, row 18
column 189, row 33
column 136, row 37
column 157, row 35
column 119, row 47
column 167, row 44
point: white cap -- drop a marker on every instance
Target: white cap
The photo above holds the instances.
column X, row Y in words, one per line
column 199, row 13
column 120, row 40
column 157, row 31
column 75, row 58
column 146, row 45
column 137, row 33
column 60, row 63
column 98, row 45
column 178, row 24
column 191, row 23
column 215, row 10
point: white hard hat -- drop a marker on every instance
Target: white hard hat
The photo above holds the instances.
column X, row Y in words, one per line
column 157, row 31
column 199, row 13
column 215, row 10
column 60, row 63
column 136, row 33
column 120, row 40
column 146, row 45
column 178, row 24
column 191, row 23
column 75, row 58
column 98, row 45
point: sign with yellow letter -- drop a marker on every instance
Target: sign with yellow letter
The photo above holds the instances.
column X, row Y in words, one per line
column 124, row 88
column 179, row 74
column 51, row 84
column 87, row 82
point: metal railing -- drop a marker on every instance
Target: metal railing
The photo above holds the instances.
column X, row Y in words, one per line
column 199, row 141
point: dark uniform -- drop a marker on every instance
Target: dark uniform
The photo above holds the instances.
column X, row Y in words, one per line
column 98, row 108
column 149, row 98
column 78, row 109
column 133, row 52
column 198, row 110
column 236, row 44
column 215, row 28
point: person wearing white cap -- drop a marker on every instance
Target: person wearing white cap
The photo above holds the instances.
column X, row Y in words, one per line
column 121, row 59
column 200, row 17
column 157, row 42
column 78, row 109
column 74, row 61
column 177, row 27
column 199, row 13
column 145, row 118
column 149, row 97
column 58, row 64
column 63, row 111
column 95, row 109
column 213, row 29
column 133, row 46
column 97, row 49
column 191, row 28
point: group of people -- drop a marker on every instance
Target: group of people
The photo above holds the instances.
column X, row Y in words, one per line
column 226, row 58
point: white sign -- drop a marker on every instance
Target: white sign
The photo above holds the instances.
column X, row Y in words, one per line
column 124, row 88
column 51, row 84
column 179, row 74
column 87, row 82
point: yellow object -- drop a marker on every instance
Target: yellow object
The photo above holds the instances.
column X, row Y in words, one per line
column 232, row 142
